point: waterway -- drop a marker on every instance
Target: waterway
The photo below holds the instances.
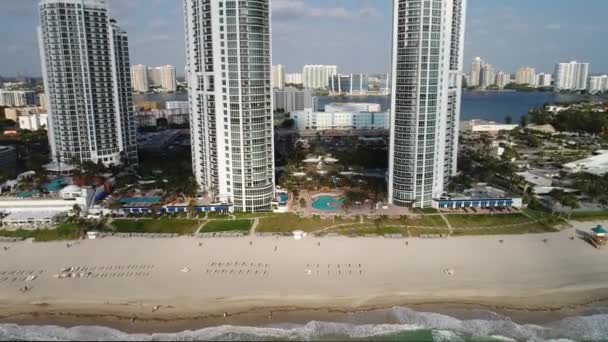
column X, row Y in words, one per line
column 488, row 105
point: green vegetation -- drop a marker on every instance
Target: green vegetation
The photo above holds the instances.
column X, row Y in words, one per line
column 478, row 221
column 579, row 119
column 589, row 216
column 163, row 225
column 413, row 221
column 65, row 231
column 425, row 210
column 227, row 226
column 532, row 228
column 286, row 223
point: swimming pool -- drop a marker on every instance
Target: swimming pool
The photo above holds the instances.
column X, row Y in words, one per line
column 327, row 203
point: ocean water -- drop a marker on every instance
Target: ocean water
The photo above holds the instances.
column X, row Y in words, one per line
column 411, row 326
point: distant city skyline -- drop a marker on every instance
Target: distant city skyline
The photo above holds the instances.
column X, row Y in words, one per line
column 354, row 34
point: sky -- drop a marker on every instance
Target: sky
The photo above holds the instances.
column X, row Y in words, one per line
column 353, row 34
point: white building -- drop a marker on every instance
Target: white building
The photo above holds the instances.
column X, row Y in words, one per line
column 598, row 84
column 168, row 78
column 479, row 126
column 424, row 124
column 295, row 79
column 230, row 91
column 139, row 78
column 526, row 75
column 503, row 79
column 476, row 72
column 571, row 76
column 34, row 121
column 544, row 80
column 353, row 107
column 163, row 77
column 44, row 211
column 343, row 120
column 597, row 165
column 317, row 76
column 182, row 105
column 278, row 76
column 90, row 113
column 17, row 98
column 488, row 76
column 292, row 99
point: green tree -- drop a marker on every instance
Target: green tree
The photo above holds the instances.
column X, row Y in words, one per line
column 508, row 119
column 77, row 210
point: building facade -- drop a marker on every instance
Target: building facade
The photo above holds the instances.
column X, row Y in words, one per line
column 229, row 79
column 292, row 99
column 476, row 72
column 34, row 121
column 503, row 79
column 598, row 84
column 139, row 78
column 295, row 79
column 163, row 77
column 525, row 75
column 317, row 76
column 353, row 84
column 428, row 41
column 87, row 82
column 323, row 121
column 571, row 76
column 488, row 76
column 544, row 80
column 278, row 76
column 17, row 98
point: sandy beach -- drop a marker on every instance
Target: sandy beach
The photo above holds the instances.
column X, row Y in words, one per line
column 138, row 284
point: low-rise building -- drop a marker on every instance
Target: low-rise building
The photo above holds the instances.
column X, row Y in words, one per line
column 353, row 107
column 182, row 105
column 292, row 99
column 597, row 165
column 483, row 126
column 310, row 120
column 13, row 113
column 17, row 98
column 151, row 118
column 481, row 196
column 34, row 121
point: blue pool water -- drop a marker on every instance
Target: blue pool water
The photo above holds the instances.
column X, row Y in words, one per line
column 149, row 200
column 283, row 198
column 327, row 203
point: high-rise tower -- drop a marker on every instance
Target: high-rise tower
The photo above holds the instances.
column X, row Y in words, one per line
column 428, row 41
column 229, row 79
column 85, row 65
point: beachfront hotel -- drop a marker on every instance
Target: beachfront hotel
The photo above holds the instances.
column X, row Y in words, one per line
column 428, row 41
column 229, row 80
column 85, row 66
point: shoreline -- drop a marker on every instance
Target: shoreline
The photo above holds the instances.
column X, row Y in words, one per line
column 172, row 317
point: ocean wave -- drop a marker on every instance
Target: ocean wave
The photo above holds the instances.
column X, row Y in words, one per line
column 436, row 326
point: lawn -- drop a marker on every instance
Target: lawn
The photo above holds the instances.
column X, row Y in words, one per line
column 286, row 223
column 416, row 221
column 227, row 226
column 478, row 221
column 533, row 228
column 65, row 231
column 589, row 216
column 163, row 225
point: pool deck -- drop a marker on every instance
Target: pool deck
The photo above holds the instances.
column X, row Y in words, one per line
column 364, row 209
